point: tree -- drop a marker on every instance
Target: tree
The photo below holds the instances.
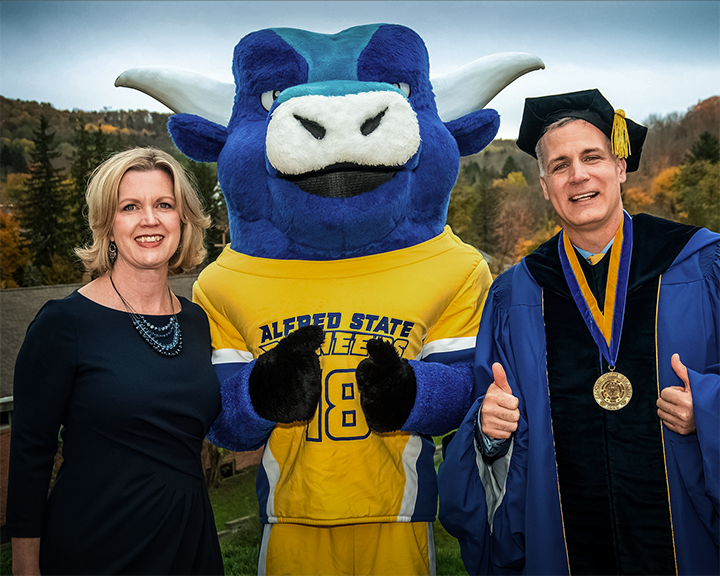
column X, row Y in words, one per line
column 473, row 207
column 215, row 455
column 510, row 165
column 523, row 211
column 104, row 145
column 62, row 270
column 43, row 210
column 30, row 276
column 486, row 210
column 525, row 247
column 205, row 180
column 706, row 147
column 462, row 204
column 13, row 254
column 12, row 159
column 635, row 200
column 698, row 186
column 663, row 192
column 84, row 162
column 12, row 190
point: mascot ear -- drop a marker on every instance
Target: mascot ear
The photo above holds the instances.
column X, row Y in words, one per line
column 474, row 131
column 196, row 137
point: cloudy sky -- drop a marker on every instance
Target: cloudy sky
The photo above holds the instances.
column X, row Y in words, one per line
column 646, row 57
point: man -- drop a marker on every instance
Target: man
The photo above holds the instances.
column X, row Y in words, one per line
column 593, row 445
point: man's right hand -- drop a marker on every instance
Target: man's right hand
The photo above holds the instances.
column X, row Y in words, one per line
column 499, row 413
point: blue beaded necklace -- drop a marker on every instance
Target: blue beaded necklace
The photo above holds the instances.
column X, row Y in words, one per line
column 151, row 333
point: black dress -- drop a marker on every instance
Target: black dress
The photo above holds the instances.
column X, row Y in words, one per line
column 130, row 497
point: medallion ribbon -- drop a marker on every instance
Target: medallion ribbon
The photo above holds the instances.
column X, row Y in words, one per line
column 605, row 326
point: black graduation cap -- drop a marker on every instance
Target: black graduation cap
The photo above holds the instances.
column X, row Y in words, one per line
column 626, row 136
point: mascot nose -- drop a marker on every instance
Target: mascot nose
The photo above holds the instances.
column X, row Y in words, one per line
column 369, row 126
column 311, row 132
column 316, row 129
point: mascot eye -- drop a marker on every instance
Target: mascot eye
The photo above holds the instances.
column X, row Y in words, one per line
column 405, row 88
column 267, row 98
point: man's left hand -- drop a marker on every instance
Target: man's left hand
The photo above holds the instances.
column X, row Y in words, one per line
column 675, row 405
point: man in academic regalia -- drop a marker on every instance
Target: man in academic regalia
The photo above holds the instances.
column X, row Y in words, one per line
column 594, row 444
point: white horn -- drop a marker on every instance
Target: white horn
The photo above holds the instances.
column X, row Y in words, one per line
column 465, row 90
column 183, row 91
column 472, row 86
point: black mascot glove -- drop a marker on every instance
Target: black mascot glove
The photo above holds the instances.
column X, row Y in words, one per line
column 286, row 381
column 387, row 387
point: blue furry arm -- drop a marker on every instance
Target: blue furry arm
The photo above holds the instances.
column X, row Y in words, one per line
column 444, row 395
column 238, row 427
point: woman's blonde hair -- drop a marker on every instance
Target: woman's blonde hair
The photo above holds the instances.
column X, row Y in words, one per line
column 102, row 201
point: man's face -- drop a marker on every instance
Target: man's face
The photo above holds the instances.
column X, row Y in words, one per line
column 582, row 180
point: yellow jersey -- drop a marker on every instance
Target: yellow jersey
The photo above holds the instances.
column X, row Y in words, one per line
column 427, row 300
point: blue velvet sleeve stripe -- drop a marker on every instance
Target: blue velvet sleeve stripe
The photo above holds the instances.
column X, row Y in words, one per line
column 427, row 494
column 225, row 371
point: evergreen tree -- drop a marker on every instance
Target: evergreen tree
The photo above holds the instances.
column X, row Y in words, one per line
column 510, row 165
column 43, row 210
column 486, row 210
column 706, row 147
column 12, row 160
column 82, row 165
column 205, row 181
column 698, row 192
column 103, row 145
column 474, row 205
column 470, row 172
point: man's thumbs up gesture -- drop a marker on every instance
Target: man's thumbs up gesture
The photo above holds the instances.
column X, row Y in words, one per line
column 675, row 405
column 499, row 414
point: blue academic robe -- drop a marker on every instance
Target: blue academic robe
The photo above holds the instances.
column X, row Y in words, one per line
column 507, row 514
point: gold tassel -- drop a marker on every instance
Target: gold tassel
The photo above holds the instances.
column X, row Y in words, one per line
column 620, row 139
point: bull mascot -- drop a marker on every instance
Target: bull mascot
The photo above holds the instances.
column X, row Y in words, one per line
column 344, row 311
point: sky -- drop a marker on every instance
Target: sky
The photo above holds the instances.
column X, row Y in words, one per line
column 646, row 57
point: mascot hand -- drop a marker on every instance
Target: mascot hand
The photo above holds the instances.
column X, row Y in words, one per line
column 387, row 387
column 286, row 382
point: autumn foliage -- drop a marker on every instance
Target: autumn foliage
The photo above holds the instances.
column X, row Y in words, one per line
column 496, row 205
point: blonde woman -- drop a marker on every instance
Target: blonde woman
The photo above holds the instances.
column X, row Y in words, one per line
column 123, row 366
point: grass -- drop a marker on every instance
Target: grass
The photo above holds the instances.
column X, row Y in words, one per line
column 447, row 553
column 235, row 498
column 5, row 561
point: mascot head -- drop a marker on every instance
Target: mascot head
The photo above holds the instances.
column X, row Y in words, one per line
column 334, row 147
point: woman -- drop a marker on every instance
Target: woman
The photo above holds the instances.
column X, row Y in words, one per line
column 123, row 365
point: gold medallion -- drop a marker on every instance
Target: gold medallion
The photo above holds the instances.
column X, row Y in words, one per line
column 612, row 391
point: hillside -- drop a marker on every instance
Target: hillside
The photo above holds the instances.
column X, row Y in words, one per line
column 497, row 204
column 19, row 119
column 668, row 139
